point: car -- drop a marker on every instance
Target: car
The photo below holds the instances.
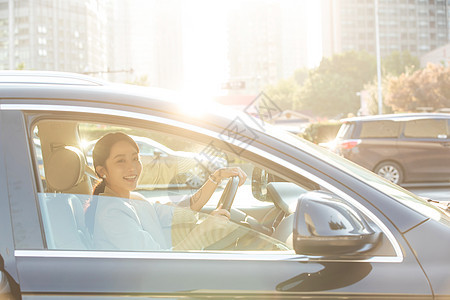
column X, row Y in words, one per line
column 175, row 168
column 411, row 148
column 307, row 223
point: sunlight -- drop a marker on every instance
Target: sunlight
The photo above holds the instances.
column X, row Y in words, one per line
column 205, row 44
column 84, row 144
column 195, row 103
column 204, row 47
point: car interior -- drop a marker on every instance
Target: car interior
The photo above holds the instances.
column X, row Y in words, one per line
column 265, row 204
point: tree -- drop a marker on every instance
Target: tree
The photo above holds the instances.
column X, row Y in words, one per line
column 142, row 80
column 428, row 87
column 331, row 89
column 372, row 89
column 300, row 75
column 284, row 93
column 21, row 66
column 399, row 62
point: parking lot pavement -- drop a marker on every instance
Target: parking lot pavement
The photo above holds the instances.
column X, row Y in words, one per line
column 434, row 193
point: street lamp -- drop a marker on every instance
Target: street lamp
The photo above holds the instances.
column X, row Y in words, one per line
column 377, row 41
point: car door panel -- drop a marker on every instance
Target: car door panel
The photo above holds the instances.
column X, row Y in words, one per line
column 425, row 160
column 138, row 274
column 7, row 259
column 21, row 182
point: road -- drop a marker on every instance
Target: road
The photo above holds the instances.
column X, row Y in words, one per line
column 434, row 193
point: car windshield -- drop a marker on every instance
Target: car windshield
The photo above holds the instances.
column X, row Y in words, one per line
column 398, row 193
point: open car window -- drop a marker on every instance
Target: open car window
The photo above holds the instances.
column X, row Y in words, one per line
column 158, row 215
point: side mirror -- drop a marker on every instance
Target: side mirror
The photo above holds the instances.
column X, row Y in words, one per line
column 324, row 225
column 260, row 179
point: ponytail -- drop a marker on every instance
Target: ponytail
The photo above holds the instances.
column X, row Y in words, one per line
column 99, row 188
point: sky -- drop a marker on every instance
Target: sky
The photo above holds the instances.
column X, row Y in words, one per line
column 205, row 53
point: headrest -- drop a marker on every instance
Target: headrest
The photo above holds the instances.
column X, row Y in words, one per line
column 65, row 168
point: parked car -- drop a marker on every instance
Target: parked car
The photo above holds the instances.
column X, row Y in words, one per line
column 322, row 227
column 403, row 148
column 163, row 167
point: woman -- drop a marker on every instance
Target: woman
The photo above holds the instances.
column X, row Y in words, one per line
column 125, row 220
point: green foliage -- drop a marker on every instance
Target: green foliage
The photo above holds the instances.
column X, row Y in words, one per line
column 300, row 76
column 20, row 66
column 372, row 89
column 399, row 62
column 331, row 89
column 428, row 87
column 321, row 132
column 284, row 93
column 140, row 80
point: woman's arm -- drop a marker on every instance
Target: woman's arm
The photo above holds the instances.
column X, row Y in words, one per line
column 199, row 199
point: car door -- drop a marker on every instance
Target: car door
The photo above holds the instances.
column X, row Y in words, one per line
column 46, row 270
column 8, row 270
column 425, row 150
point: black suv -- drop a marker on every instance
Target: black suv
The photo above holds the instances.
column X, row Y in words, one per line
column 404, row 148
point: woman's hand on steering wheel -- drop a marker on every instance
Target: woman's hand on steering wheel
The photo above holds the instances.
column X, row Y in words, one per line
column 228, row 172
column 219, row 212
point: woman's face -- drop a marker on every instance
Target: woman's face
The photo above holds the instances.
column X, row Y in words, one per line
column 122, row 168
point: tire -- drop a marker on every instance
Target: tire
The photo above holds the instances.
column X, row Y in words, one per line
column 196, row 177
column 390, row 171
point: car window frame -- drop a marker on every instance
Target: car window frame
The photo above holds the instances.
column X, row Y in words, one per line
column 7, row 245
column 127, row 118
column 426, row 138
column 363, row 123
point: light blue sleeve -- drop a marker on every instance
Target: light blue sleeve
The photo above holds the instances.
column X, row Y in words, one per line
column 119, row 227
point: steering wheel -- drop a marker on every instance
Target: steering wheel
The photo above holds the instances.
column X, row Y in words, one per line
column 238, row 216
column 229, row 193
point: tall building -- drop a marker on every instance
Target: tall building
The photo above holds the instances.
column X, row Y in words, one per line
column 145, row 42
column 63, row 35
column 167, row 38
column 267, row 42
column 119, row 41
column 294, row 36
column 417, row 26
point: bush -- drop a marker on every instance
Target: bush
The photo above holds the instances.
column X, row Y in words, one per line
column 321, row 132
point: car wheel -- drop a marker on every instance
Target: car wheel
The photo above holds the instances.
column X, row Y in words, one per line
column 391, row 171
column 196, row 177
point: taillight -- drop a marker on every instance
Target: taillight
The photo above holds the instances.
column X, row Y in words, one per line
column 349, row 144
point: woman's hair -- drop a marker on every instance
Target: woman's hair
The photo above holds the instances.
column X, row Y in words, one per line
column 102, row 150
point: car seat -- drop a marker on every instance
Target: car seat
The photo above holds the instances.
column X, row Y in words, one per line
column 62, row 208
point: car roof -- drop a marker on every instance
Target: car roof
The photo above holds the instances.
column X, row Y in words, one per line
column 398, row 117
column 47, row 78
column 71, row 89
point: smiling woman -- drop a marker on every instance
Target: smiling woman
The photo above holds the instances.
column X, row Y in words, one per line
column 116, row 161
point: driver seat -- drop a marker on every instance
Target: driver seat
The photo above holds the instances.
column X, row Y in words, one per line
column 62, row 210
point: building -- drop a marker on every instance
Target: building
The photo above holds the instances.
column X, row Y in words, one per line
column 438, row 56
column 67, row 35
column 417, row 26
column 119, row 40
column 167, row 46
column 267, row 42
